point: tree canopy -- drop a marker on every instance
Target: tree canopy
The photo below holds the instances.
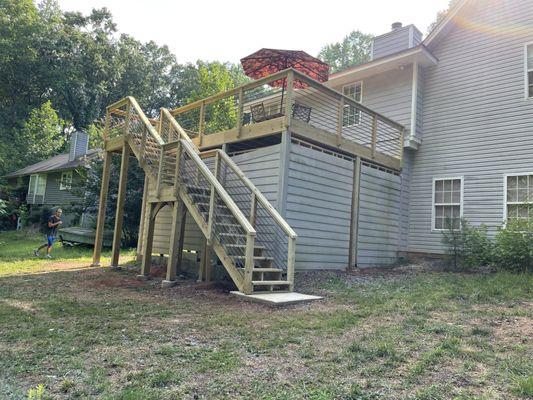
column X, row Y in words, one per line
column 354, row 49
column 66, row 67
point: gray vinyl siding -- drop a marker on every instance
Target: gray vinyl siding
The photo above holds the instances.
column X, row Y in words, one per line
column 420, row 104
column 390, row 94
column 475, row 119
column 319, row 198
column 391, row 42
column 379, row 218
column 319, row 194
column 54, row 196
column 260, row 166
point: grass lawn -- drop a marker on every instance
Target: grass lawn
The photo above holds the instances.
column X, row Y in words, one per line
column 408, row 333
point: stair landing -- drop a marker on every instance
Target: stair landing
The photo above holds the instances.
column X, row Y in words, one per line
column 276, row 299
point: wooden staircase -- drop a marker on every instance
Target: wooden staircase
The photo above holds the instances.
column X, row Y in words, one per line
column 251, row 239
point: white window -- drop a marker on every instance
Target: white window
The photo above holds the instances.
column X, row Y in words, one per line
column 447, row 202
column 529, row 70
column 37, row 186
column 518, row 196
column 351, row 115
column 66, row 181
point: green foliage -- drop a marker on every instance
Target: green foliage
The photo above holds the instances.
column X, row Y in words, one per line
column 470, row 246
column 467, row 246
column 36, row 393
column 354, row 49
column 513, row 247
column 41, row 136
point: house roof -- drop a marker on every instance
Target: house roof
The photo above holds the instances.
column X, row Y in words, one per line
column 56, row 163
column 389, row 61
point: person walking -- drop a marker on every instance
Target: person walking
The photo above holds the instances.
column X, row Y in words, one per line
column 53, row 223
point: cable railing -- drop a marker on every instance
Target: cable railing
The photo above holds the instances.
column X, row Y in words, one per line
column 302, row 104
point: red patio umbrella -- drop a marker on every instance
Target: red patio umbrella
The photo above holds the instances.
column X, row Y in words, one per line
column 266, row 62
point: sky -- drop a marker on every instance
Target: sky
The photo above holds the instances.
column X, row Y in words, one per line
column 229, row 30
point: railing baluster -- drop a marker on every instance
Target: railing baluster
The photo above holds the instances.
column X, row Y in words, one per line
column 201, row 123
column 340, row 120
column 374, row 135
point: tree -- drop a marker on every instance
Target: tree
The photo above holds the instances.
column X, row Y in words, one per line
column 354, row 49
column 41, row 136
column 441, row 15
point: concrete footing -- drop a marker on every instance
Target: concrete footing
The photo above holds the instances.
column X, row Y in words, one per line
column 168, row 284
column 143, row 278
column 276, row 299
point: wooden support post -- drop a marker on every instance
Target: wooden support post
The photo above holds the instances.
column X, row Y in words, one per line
column 240, row 111
column 201, row 124
column 249, row 264
column 340, row 120
column 289, row 98
column 143, row 217
column 98, row 240
column 148, row 243
column 354, row 220
column 177, row 233
column 374, row 135
column 212, row 203
column 283, row 175
column 160, row 171
column 179, row 151
column 206, row 267
column 119, row 216
column 291, row 259
column 253, row 210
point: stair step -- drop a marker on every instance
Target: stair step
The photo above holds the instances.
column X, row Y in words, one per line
column 265, row 269
column 270, row 283
column 256, row 258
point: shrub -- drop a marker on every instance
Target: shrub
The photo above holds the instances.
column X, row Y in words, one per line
column 513, row 248
column 467, row 246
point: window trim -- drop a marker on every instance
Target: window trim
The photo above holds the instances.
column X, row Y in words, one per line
column 61, row 185
column 359, row 102
column 505, row 176
column 433, row 205
column 526, row 73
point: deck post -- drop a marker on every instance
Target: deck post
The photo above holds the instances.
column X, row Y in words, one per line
column 148, row 242
column 201, row 124
column 249, row 264
column 289, row 98
column 119, row 216
column 175, row 253
column 354, row 218
column 140, row 235
column 240, row 111
column 340, row 120
column 206, row 268
column 374, row 135
column 98, row 240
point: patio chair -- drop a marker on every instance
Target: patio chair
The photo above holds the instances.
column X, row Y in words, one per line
column 258, row 112
column 301, row 112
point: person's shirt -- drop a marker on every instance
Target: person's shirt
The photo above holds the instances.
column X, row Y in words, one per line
column 52, row 231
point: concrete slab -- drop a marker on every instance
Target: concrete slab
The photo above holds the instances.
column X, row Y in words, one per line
column 276, row 298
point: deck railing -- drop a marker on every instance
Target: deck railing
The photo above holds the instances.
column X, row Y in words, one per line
column 303, row 103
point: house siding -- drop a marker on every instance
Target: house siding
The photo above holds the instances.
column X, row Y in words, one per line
column 476, row 122
column 54, row 196
column 391, row 42
column 319, row 199
column 378, row 237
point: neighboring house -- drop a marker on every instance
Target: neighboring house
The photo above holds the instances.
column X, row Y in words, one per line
column 465, row 95
column 49, row 183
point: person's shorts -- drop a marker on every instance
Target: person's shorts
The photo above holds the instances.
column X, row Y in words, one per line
column 51, row 240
